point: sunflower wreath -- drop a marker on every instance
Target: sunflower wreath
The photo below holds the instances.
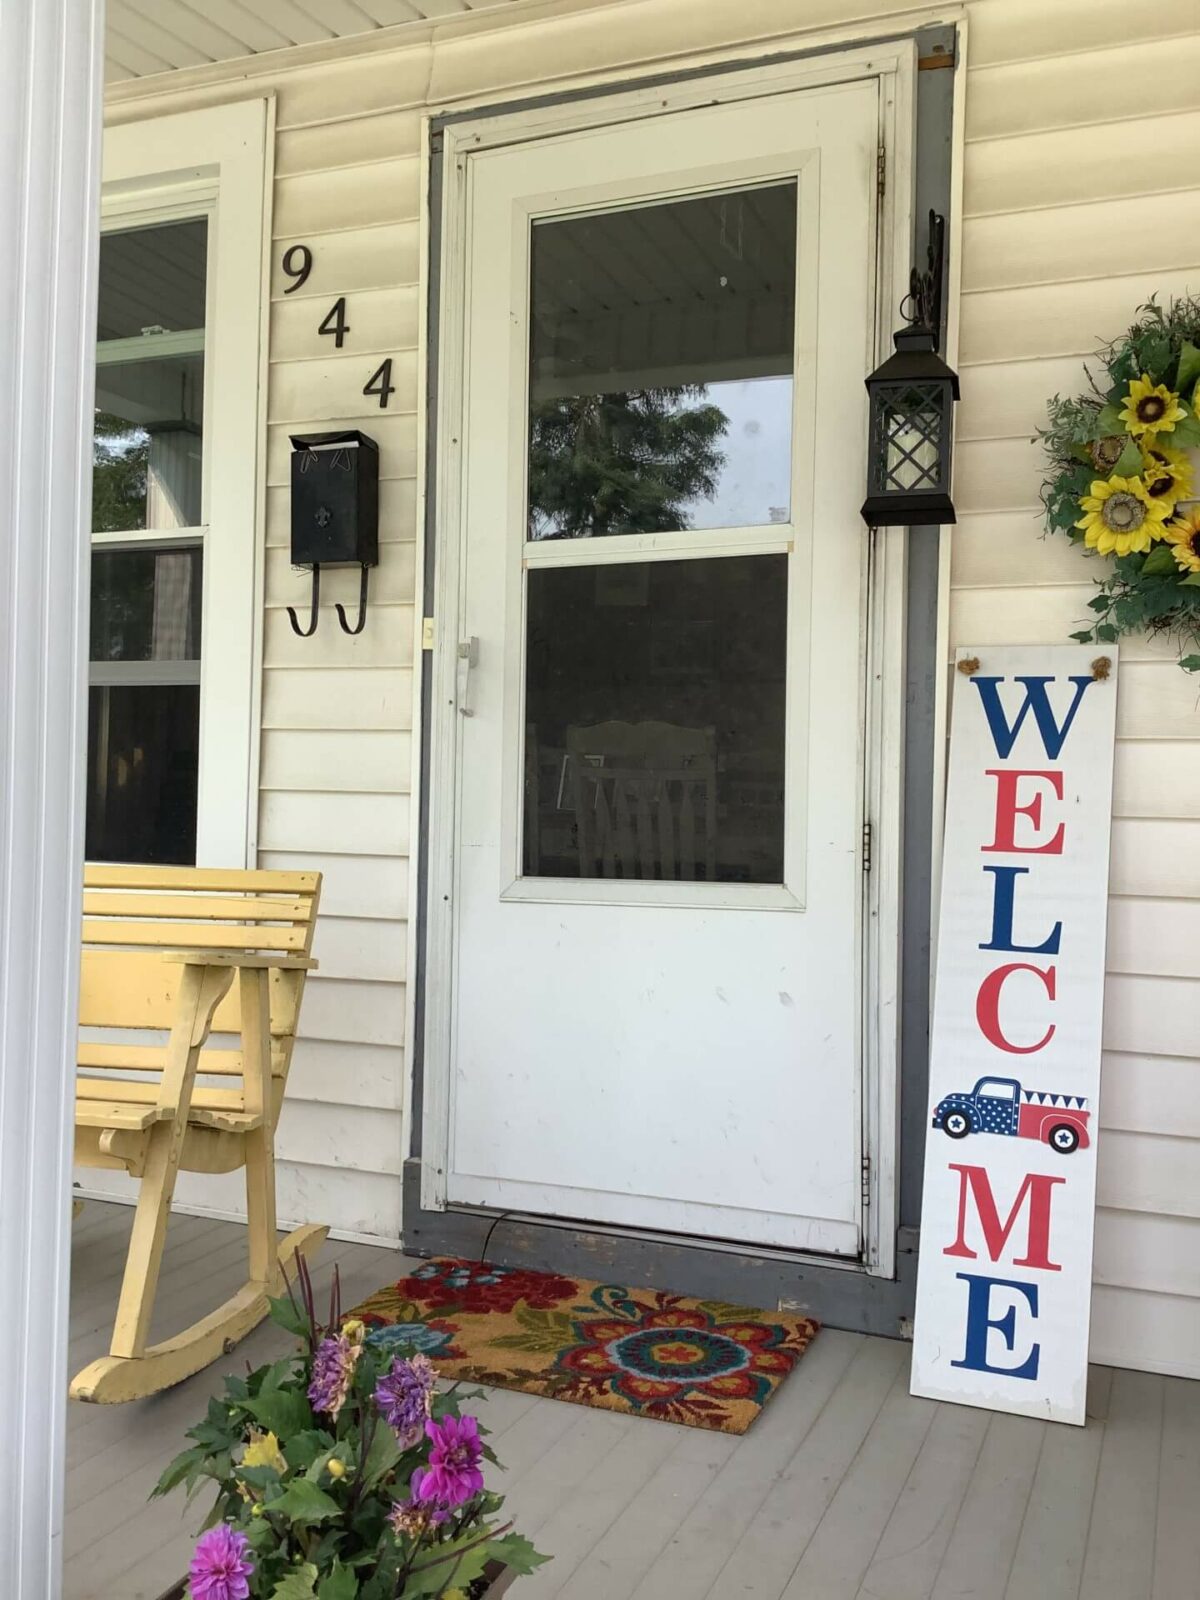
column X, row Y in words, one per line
column 1120, row 478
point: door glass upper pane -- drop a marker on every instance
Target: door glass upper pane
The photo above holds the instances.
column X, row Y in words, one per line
column 661, row 360
column 149, row 423
column 655, row 711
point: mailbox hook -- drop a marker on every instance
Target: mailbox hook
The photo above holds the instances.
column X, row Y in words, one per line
column 306, row 633
column 362, row 607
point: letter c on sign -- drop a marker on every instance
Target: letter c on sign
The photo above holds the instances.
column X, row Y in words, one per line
column 987, row 1007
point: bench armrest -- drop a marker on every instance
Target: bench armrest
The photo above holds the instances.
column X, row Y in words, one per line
column 236, row 958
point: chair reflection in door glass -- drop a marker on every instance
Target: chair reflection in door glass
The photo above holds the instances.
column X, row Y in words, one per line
column 644, row 796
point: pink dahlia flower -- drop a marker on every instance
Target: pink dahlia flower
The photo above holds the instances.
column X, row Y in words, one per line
column 221, row 1568
column 453, row 1475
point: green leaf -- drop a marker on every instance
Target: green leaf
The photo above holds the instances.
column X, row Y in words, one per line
column 1189, row 367
column 341, row 1584
column 305, row 1448
column 1190, row 663
column 1192, row 581
column 303, row 1503
column 1099, row 602
column 1159, row 562
column 288, row 1316
column 1084, row 637
column 515, row 1551
column 383, row 1455
column 281, row 1411
column 1129, row 462
column 182, row 1467
column 1109, row 421
column 1106, row 633
column 1185, row 435
column 298, row 1585
column 453, row 1565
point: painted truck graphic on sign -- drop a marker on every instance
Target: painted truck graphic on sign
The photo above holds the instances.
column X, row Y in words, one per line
column 1001, row 1105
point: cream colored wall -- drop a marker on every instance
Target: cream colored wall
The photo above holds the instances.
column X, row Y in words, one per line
column 1081, row 197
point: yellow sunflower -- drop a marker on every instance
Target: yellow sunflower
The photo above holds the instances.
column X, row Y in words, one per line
column 1166, row 473
column 1184, row 538
column 1120, row 517
column 1150, row 408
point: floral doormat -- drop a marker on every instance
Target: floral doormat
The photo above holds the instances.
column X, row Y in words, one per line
column 699, row 1362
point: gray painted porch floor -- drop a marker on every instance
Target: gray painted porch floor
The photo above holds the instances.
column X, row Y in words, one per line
column 845, row 1489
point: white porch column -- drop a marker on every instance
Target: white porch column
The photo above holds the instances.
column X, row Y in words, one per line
column 50, row 107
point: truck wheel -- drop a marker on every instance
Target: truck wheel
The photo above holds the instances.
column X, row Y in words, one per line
column 956, row 1124
column 1063, row 1138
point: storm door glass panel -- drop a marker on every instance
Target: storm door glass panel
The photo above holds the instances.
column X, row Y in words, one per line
column 661, row 360
column 655, row 714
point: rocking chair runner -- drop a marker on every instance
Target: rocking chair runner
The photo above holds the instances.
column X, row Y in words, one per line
column 163, row 947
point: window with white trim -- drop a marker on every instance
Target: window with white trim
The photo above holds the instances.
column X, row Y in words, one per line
column 177, row 493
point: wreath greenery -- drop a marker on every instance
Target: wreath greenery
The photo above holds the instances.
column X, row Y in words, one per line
column 1120, row 477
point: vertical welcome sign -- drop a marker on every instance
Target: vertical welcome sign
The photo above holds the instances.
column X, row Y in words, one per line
column 1005, row 1270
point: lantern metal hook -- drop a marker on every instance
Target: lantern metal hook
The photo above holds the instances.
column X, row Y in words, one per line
column 922, row 305
column 362, row 607
column 306, row 633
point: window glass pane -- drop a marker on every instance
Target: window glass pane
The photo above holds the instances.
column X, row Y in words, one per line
column 148, row 456
column 655, row 696
column 661, row 357
column 143, row 748
column 152, row 278
column 146, row 605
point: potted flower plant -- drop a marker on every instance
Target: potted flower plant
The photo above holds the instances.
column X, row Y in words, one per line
column 342, row 1473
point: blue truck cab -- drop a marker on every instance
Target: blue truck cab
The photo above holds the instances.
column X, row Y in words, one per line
column 992, row 1106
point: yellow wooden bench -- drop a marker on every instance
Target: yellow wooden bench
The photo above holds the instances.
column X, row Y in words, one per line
column 162, row 947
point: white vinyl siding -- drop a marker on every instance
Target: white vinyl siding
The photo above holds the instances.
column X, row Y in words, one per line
column 1066, row 231
column 1081, row 197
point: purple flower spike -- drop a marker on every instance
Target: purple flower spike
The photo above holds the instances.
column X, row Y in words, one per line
column 404, row 1396
column 221, row 1568
column 453, row 1475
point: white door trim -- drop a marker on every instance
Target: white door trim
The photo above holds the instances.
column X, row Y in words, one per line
column 894, row 66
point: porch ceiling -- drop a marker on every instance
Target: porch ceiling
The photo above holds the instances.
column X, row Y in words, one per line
column 145, row 37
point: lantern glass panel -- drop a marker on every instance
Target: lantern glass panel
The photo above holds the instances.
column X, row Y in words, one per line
column 911, row 437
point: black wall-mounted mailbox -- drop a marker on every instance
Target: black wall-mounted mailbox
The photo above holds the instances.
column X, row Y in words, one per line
column 335, row 512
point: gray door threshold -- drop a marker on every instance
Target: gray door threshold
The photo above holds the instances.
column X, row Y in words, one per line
column 835, row 1294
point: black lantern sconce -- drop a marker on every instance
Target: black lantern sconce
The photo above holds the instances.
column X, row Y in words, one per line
column 912, row 410
column 335, row 514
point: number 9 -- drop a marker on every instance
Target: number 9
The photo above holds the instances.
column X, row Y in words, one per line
column 299, row 274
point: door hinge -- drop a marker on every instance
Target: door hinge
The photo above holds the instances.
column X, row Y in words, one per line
column 866, row 1180
column 866, row 847
column 881, row 170
column 426, row 633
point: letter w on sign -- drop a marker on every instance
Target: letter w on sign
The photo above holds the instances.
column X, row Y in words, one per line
column 1005, row 1267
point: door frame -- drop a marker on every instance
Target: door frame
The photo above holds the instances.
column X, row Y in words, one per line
column 893, row 65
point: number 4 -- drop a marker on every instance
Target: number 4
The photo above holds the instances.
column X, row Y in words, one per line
column 380, row 383
column 335, row 322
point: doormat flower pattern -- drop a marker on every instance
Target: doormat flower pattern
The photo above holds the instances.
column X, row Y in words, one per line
column 699, row 1362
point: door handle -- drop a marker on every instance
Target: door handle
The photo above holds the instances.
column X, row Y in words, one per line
column 468, row 657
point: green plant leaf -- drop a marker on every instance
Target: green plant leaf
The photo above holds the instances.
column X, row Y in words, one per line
column 1185, row 435
column 1159, row 562
column 1190, row 663
column 281, row 1411
column 515, row 1550
column 1109, row 420
column 1106, row 633
column 1192, row 581
column 453, row 1565
column 183, row 1466
column 1129, row 462
column 341, row 1584
column 287, row 1316
column 383, row 1455
column 303, row 1503
column 1189, row 367
column 299, row 1584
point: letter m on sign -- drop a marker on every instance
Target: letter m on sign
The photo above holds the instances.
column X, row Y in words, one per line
column 1037, row 1188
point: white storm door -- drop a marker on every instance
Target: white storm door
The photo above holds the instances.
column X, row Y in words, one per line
column 655, row 894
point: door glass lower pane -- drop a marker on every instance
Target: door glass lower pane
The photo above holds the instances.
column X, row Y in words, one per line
column 655, row 720
column 143, row 758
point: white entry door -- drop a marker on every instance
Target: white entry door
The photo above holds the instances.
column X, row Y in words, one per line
column 651, row 899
